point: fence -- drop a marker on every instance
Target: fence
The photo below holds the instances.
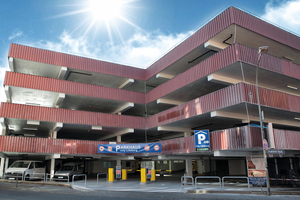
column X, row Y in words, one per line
column 185, row 181
column 85, row 176
column 207, row 177
column 235, row 177
column 99, row 174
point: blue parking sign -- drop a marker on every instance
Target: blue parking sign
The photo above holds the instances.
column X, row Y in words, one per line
column 202, row 140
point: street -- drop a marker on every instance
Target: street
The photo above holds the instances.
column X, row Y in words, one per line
column 8, row 191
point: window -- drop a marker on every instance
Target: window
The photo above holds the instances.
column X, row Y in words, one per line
column 20, row 165
column 31, row 166
column 106, row 164
column 39, row 165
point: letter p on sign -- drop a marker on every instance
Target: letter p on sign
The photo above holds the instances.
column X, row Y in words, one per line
column 201, row 137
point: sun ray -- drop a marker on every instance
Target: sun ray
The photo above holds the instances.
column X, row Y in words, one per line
column 68, row 14
column 130, row 23
column 80, row 25
column 109, row 33
column 89, row 28
column 118, row 33
column 97, row 14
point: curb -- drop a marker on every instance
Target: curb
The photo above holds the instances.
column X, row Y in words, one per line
column 244, row 192
column 38, row 183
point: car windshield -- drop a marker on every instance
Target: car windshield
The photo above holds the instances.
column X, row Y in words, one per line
column 67, row 168
column 20, row 164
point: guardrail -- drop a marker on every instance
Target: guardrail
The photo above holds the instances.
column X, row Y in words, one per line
column 207, row 177
column 236, row 177
column 85, row 176
column 101, row 178
column 57, row 179
column 185, row 181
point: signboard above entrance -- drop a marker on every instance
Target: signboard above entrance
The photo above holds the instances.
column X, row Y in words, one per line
column 130, row 148
column 202, row 140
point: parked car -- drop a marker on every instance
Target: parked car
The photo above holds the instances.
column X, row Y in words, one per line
column 26, row 169
column 67, row 171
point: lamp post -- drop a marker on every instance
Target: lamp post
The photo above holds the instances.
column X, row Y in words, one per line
column 262, row 50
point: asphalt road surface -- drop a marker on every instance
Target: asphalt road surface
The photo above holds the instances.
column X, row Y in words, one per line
column 32, row 192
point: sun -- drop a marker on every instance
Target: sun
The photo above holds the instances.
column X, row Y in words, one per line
column 107, row 10
column 98, row 15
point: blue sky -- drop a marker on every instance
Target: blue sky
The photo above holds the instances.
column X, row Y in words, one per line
column 138, row 34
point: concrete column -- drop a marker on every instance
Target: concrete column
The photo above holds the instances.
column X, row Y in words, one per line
column 118, row 162
column 2, row 167
column 271, row 136
column 54, row 134
column 186, row 134
column 6, row 163
column 2, row 126
column 161, row 162
column 2, row 130
column 188, row 167
column 52, row 166
column 53, row 131
column 119, row 138
column 291, row 164
column 276, row 167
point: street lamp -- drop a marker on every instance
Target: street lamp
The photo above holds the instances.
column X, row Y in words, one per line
column 262, row 50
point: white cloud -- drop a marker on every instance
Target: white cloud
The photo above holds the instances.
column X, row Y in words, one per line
column 139, row 50
column 15, row 34
column 284, row 13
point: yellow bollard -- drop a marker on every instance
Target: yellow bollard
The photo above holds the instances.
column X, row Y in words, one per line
column 153, row 175
column 124, row 174
column 143, row 175
column 111, row 176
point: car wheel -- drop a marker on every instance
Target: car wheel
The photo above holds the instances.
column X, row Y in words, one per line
column 27, row 177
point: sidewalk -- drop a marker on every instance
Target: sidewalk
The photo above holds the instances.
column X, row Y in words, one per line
column 165, row 186
column 175, row 186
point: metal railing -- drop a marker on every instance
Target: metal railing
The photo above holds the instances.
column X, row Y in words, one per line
column 185, row 181
column 207, row 177
column 235, row 177
column 56, row 179
column 85, row 176
column 101, row 178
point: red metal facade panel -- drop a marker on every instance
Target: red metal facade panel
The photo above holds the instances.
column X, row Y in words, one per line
column 236, row 138
column 268, row 62
column 261, row 27
column 76, row 62
column 215, row 26
column 228, row 96
column 178, row 146
column 69, row 87
column 285, row 139
column 65, row 146
column 271, row 98
column 208, row 66
column 231, row 95
column 27, row 112
column 48, row 145
column 220, row 60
